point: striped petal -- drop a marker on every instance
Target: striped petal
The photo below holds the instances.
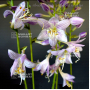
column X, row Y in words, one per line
column 19, row 9
column 13, row 55
column 63, row 24
column 54, row 20
column 61, row 36
column 43, row 35
column 43, row 23
column 7, row 12
column 29, row 64
column 14, row 67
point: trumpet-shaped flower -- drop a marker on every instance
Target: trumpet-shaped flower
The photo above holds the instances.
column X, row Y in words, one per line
column 66, row 78
column 43, row 66
column 20, row 17
column 53, row 69
column 20, row 62
column 63, row 56
column 53, row 30
column 76, row 48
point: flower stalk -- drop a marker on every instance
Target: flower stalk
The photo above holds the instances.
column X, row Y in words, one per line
column 69, row 41
column 31, row 51
column 55, row 78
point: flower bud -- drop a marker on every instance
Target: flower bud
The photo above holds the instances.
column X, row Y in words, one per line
column 63, row 3
column 82, row 34
column 38, row 15
column 76, row 20
column 3, row 5
column 77, row 8
column 45, row 7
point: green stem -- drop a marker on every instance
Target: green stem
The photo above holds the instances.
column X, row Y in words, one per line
column 70, row 64
column 53, row 85
column 31, row 51
column 57, row 80
column 54, row 7
column 33, row 83
column 18, row 46
column 18, row 43
column 54, row 81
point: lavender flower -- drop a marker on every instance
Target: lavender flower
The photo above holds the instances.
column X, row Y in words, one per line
column 20, row 61
column 75, row 47
column 43, row 66
column 20, row 17
column 66, row 78
column 53, row 30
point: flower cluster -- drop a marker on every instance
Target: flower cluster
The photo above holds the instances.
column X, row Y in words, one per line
column 53, row 33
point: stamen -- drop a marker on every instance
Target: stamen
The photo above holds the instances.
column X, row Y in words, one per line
column 61, row 58
column 23, row 9
column 52, row 71
column 41, row 74
column 20, row 7
column 68, row 84
column 19, row 69
column 34, row 68
column 76, row 49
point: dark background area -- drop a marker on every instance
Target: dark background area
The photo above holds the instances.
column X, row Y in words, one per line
column 80, row 69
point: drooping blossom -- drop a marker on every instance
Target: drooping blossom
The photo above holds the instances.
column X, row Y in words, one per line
column 20, row 17
column 53, row 30
column 20, row 62
column 63, row 56
column 43, row 66
column 66, row 78
column 76, row 48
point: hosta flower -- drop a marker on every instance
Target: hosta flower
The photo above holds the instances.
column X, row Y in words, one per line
column 20, row 17
column 43, row 66
column 66, row 78
column 53, row 30
column 63, row 56
column 77, row 21
column 53, row 69
column 20, row 62
column 76, row 48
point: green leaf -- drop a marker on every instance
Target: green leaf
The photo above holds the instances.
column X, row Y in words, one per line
column 23, row 48
column 34, row 39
